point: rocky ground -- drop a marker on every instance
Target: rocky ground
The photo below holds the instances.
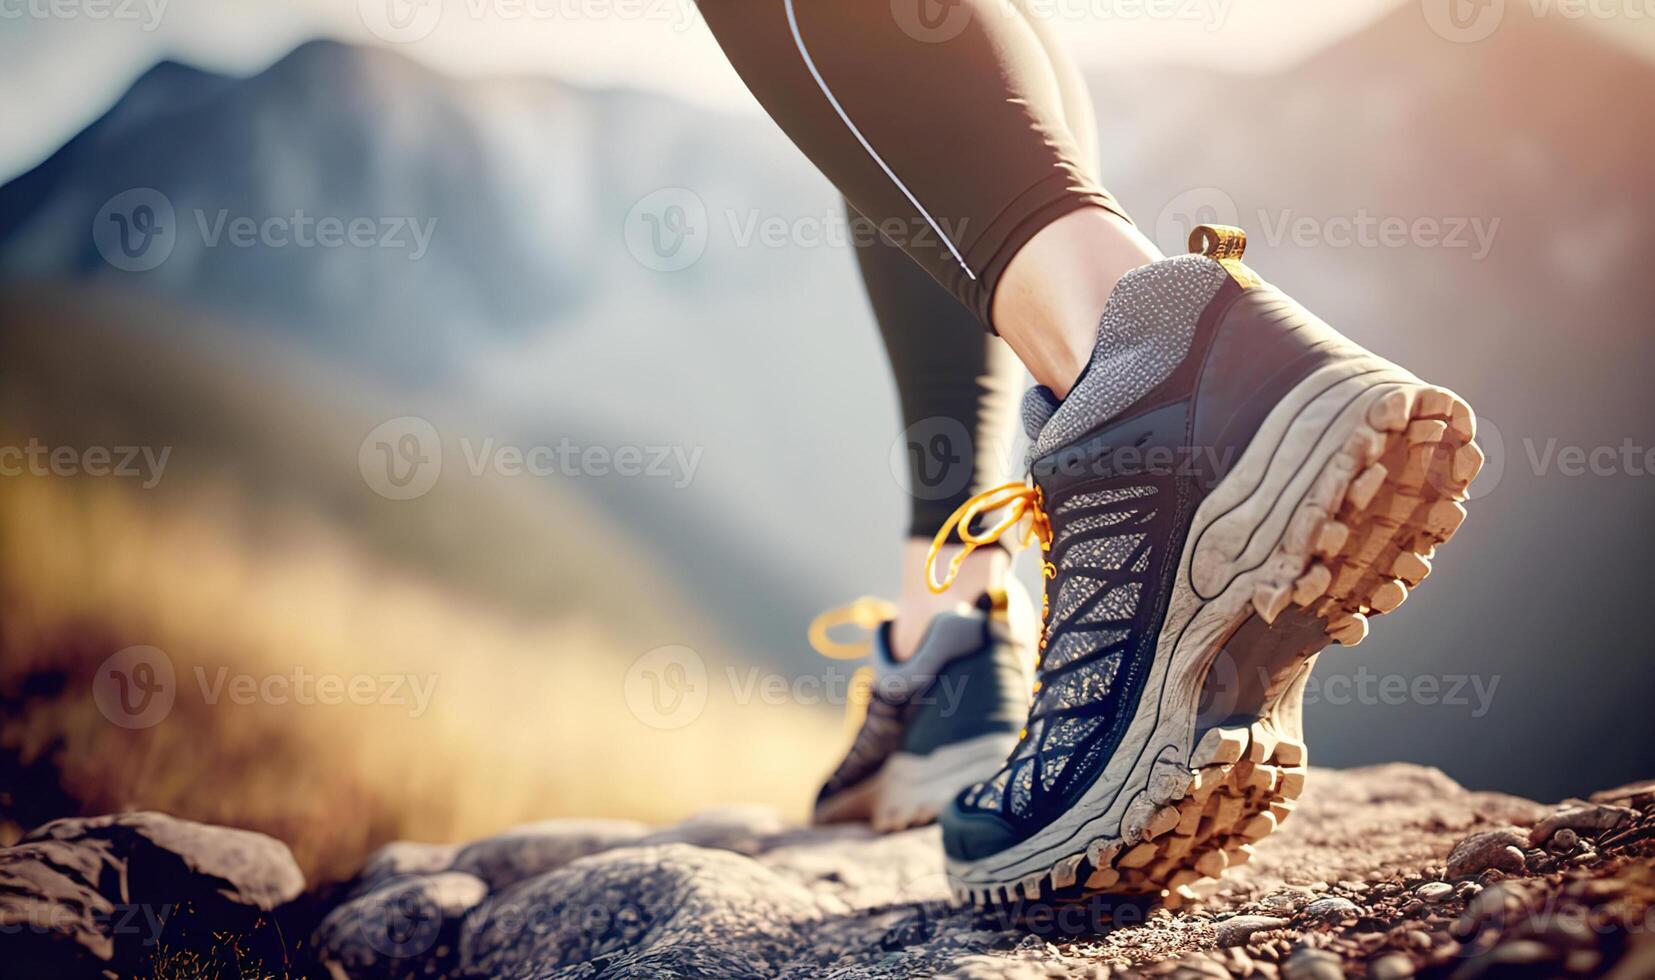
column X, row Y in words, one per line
column 1389, row 872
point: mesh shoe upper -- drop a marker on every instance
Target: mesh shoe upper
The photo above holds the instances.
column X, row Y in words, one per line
column 1108, row 556
column 1117, row 516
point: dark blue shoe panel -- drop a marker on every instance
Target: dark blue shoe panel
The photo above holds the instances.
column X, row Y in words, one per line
column 1117, row 542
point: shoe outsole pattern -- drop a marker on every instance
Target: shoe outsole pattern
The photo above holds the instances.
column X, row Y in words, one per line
column 1362, row 538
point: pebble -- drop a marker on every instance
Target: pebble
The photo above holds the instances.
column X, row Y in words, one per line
column 1501, row 850
column 1332, row 907
column 1284, row 899
column 1237, row 930
column 1563, row 842
column 1582, row 961
column 1434, row 891
column 1313, row 964
column 1592, row 818
column 1520, row 951
column 1391, row 966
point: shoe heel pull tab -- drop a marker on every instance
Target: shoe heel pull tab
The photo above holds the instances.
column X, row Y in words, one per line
column 1225, row 244
column 995, row 603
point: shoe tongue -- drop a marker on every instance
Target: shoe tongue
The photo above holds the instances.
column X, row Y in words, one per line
column 950, row 636
column 1145, row 331
column 1038, row 405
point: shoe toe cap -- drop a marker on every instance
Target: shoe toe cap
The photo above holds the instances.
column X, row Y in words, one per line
column 969, row 834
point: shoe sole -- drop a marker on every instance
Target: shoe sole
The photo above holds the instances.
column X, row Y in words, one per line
column 910, row 790
column 1331, row 517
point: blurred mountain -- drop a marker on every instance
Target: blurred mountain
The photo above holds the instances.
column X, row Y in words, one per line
column 330, row 131
column 1479, row 207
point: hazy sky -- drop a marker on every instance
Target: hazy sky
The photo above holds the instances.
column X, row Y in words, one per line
column 64, row 61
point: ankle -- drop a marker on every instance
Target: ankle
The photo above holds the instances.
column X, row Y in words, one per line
column 1055, row 289
column 983, row 570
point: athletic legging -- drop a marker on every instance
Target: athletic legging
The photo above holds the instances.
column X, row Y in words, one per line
column 959, row 129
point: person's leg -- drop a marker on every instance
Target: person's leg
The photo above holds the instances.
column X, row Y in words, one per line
column 952, row 137
column 1221, row 480
column 958, row 389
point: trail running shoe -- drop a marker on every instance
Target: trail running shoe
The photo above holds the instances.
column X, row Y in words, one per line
column 1276, row 488
column 933, row 724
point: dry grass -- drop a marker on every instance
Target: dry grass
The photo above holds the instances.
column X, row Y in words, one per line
column 262, row 552
column 527, row 719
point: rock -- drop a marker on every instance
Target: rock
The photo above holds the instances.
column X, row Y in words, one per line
column 1313, row 964
column 80, row 894
column 1391, row 966
column 1235, row 931
column 402, row 858
column 534, row 849
column 672, row 910
column 1501, row 850
column 1631, row 794
column 406, row 926
column 53, row 919
column 239, row 866
column 1638, row 964
column 1592, row 818
column 734, row 894
column 1494, row 903
column 1564, row 841
column 1515, row 953
column 743, row 829
column 1434, row 891
column 1332, row 908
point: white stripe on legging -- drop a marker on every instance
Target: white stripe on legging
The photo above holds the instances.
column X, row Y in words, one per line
column 799, row 41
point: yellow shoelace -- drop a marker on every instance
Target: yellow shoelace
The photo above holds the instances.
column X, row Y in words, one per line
column 1019, row 501
column 867, row 613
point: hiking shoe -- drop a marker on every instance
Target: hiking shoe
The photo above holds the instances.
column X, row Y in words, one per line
column 1273, row 489
column 929, row 726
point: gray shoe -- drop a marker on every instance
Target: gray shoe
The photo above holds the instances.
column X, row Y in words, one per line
column 1228, row 489
column 937, row 722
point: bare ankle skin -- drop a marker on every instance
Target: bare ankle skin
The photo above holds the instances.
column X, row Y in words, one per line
column 982, row 570
column 1053, row 293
